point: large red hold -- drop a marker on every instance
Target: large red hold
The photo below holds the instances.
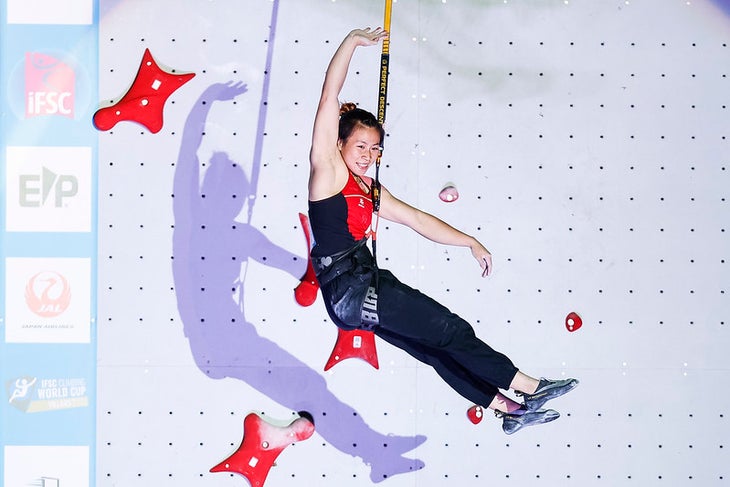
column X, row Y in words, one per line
column 262, row 443
column 145, row 101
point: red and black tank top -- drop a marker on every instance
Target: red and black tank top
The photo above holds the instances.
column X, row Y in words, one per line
column 342, row 220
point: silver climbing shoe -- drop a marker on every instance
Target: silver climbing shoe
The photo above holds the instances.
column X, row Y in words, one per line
column 546, row 390
column 515, row 422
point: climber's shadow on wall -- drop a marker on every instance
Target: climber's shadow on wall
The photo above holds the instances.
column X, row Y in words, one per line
column 209, row 248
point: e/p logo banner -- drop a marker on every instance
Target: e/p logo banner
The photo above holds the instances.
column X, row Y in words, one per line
column 35, row 189
column 48, row 189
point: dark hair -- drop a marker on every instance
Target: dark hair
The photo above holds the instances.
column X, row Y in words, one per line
column 351, row 116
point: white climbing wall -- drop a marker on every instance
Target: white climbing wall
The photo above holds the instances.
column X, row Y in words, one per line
column 589, row 143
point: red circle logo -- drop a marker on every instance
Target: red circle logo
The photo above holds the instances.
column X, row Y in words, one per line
column 47, row 294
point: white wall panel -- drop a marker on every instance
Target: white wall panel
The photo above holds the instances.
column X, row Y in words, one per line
column 588, row 141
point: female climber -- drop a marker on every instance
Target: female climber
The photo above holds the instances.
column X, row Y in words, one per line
column 346, row 141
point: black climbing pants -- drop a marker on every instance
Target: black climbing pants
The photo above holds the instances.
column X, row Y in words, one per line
column 413, row 322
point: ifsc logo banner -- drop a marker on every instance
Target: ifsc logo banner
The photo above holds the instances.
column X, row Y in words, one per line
column 48, row 83
column 50, row 86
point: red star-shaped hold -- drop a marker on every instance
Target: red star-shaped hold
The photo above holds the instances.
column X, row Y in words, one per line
column 353, row 344
column 262, row 443
column 145, row 100
column 350, row 344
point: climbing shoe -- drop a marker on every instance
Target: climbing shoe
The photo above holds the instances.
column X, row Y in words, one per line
column 512, row 422
column 546, row 390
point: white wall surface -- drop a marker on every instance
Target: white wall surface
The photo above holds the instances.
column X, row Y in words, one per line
column 589, row 143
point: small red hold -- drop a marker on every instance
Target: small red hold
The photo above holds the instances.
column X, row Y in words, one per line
column 449, row 194
column 573, row 321
column 306, row 292
column 354, row 344
column 145, row 100
column 475, row 414
column 261, row 445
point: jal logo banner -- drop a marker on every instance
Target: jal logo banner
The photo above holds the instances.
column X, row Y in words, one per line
column 48, row 300
column 48, row 189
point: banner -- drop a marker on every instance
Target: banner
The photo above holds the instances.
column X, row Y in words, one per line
column 48, row 241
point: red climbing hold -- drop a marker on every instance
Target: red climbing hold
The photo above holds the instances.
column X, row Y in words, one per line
column 449, row 193
column 306, row 292
column 262, row 443
column 145, row 100
column 475, row 414
column 354, row 344
column 573, row 322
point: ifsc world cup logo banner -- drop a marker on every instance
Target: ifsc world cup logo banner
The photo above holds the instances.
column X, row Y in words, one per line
column 31, row 394
column 49, row 83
